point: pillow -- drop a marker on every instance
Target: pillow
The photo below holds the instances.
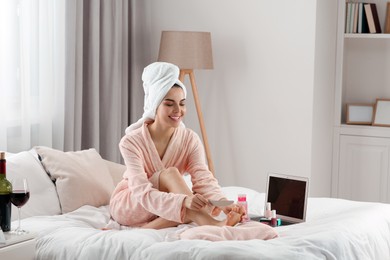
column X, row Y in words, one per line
column 116, row 171
column 43, row 196
column 81, row 177
column 245, row 231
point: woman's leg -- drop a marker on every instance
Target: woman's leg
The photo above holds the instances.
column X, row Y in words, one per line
column 159, row 223
column 172, row 181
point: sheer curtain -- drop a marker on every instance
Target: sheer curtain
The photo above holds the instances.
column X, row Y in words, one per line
column 64, row 74
column 32, row 74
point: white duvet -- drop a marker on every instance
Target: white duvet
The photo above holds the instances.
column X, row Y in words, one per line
column 335, row 229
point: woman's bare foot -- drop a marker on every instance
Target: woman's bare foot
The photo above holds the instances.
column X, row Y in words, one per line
column 232, row 219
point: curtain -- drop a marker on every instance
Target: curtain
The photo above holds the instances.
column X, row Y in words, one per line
column 96, row 75
column 64, row 74
column 31, row 74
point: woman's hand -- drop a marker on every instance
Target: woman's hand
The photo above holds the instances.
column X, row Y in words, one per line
column 235, row 208
column 195, row 202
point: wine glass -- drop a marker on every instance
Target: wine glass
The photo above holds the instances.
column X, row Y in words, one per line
column 19, row 196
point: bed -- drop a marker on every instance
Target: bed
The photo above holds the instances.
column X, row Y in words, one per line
column 69, row 221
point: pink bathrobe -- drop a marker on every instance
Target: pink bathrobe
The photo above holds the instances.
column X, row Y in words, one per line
column 135, row 201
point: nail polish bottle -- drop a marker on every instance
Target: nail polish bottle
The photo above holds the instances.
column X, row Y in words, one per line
column 274, row 221
column 268, row 213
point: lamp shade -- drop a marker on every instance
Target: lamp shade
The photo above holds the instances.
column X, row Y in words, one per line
column 187, row 50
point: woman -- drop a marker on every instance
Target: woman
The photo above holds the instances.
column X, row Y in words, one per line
column 157, row 151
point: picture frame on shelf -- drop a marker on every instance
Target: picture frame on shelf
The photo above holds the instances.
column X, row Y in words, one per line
column 382, row 113
column 360, row 114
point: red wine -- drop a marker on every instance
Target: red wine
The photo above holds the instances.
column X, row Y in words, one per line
column 19, row 197
column 5, row 212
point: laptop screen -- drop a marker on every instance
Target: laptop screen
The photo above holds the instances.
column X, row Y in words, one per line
column 288, row 195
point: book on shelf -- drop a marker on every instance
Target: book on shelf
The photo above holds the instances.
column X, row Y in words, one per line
column 362, row 21
column 349, row 17
column 347, row 5
column 387, row 21
column 363, row 26
column 372, row 18
column 355, row 17
column 361, row 17
column 353, row 6
column 376, row 18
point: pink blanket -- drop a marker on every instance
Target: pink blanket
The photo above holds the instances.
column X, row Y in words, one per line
column 245, row 231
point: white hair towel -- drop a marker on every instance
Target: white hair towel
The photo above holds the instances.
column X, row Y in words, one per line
column 158, row 78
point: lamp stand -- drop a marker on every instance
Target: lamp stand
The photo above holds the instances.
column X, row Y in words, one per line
column 191, row 74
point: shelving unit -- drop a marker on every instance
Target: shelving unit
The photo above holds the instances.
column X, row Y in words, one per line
column 361, row 153
column 367, row 35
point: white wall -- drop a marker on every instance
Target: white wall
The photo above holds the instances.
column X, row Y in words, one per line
column 258, row 101
column 323, row 100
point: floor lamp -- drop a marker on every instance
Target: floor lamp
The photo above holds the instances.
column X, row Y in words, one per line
column 189, row 51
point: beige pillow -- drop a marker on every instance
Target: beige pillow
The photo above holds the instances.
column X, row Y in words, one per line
column 81, row 177
column 116, row 171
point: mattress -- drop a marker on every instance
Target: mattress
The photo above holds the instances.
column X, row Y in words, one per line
column 334, row 229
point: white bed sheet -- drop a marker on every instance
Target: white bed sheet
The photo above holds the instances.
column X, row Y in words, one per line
column 335, row 229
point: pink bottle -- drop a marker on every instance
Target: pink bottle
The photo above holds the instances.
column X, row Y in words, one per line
column 242, row 201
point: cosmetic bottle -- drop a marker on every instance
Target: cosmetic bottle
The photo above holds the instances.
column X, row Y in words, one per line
column 242, row 201
column 268, row 213
column 274, row 221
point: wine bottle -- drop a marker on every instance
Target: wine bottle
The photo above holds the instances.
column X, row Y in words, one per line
column 5, row 196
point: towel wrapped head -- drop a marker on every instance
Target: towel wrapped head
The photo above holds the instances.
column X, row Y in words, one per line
column 158, row 78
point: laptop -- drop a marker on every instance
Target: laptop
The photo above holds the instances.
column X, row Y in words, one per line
column 288, row 196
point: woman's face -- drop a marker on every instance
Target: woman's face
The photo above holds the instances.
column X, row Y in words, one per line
column 172, row 109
